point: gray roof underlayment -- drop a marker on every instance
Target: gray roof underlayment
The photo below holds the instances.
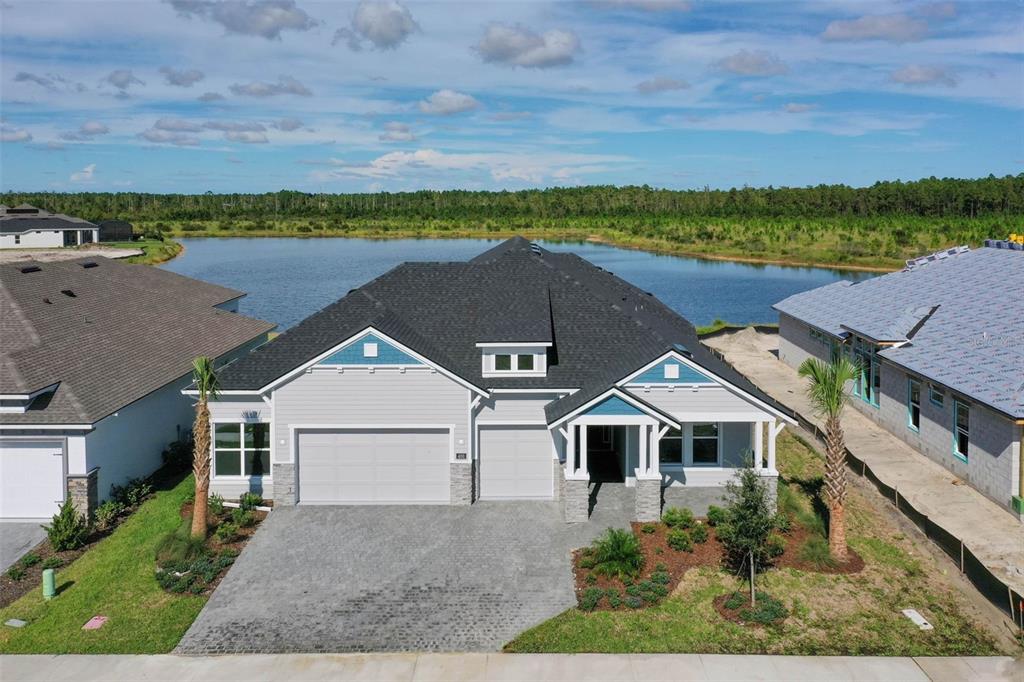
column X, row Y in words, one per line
column 957, row 320
column 600, row 327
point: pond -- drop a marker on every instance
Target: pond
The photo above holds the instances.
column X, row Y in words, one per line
column 287, row 278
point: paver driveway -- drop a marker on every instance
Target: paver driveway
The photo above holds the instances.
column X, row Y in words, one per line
column 337, row 579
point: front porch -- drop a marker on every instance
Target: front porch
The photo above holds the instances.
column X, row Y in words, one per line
column 640, row 465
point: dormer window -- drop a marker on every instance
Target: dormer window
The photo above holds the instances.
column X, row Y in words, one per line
column 514, row 359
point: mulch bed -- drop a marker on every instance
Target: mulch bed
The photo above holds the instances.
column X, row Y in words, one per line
column 12, row 590
column 733, row 615
column 790, row 558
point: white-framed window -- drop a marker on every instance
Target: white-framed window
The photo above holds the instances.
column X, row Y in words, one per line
column 17, row 239
column 705, row 444
column 936, row 395
column 370, row 350
column 241, row 449
column 670, row 449
column 512, row 363
column 671, row 371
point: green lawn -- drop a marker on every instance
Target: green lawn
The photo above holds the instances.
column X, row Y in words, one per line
column 153, row 251
column 829, row 614
column 114, row 579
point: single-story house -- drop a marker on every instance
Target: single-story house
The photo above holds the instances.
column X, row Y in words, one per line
column 940, row 345
column 93, row 359
column 26, row 227
column 520, row 374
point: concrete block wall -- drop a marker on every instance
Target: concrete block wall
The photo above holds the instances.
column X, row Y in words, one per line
column 796, row 344
column 648, row 499
column 83, row 492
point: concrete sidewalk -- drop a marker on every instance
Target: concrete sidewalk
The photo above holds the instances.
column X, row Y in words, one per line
column 504, row 667
column 992, row 534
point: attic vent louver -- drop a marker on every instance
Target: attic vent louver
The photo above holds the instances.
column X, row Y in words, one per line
column 535, row 247
column 31, row 268
column 90, row 264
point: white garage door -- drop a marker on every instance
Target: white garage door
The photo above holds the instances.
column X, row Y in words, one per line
column 374, row 467
column 31, row 478
column 515, row 462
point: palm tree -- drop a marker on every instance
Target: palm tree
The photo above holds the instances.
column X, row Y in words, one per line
column 826, row 390
column 205, row 377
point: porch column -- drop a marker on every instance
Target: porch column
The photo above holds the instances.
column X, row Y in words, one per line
column 583, row 470
column 659, row 431
column 570, row 449
column 645, row 451
column 773, row 431
column 759, row 445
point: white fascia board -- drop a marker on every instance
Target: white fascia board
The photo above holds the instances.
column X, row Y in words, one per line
column 616, row 391
column 560, row 391
column 515, row 344
column 368, row 330
column 29, row 396
column 722, row 382
column 46, row 427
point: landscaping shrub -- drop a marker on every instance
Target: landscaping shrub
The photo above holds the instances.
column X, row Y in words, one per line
column 68, row 530
column 782, row 523
column 52, row 562
column 815, row 552
column 614, row 598
column 676, row 517
column 699, row 533
column 154, row 234
column 617, row 553
column 634, row 602
column 249, row 501
column 30, row 559
column 178, row 546
column 177, row 456
column 767, row 611
column 215, row 504
column 107, row 513
column 243, row 518
column 648, row 528
column 132, row 493
column 775, row 545
column 192, row 576
column 226, row 532
column 716, row 516
column 15, row 572
column 591, row 598
column 587, row 559
column 679, row 540
column 660, row 577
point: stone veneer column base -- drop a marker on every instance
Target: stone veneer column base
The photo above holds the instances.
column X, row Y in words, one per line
column 648, row 498
column 771, row 481
column 284, row 484
column 82, row 491
column 558, row 476
column 461, row 482
column 576, row 500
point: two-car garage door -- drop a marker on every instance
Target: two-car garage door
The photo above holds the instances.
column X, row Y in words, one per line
column 374, row 466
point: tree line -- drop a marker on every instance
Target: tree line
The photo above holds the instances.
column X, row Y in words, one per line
column 935, row 198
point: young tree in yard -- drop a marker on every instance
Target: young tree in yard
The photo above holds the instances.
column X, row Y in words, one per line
column 205, row 378
column 826, row 389
column 749, row 520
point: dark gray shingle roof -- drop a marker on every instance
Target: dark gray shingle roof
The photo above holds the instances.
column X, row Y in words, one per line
column 602, row 328
column 127, row 331
column 964, row 316
column 38, row 219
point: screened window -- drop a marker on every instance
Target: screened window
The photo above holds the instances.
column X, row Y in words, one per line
column 705, row 444
column 914, row 404
column 670, row 450
column 962, row 423
column 241, row 449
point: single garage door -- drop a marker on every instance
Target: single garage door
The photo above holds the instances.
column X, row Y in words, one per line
column 31, row 478
column 515, row 462
column 374, row 467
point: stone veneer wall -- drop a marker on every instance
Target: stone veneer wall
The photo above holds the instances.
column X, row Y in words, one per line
column 284, row 484
column 559, row 479
column 576, row 500
column 461, row 482
column 648, row 499
column 82, row 491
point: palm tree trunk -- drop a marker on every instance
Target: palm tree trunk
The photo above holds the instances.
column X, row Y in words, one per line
column 835, row 487
column 201, row 469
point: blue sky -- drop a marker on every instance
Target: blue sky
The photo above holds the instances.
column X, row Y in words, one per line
column 260, row 95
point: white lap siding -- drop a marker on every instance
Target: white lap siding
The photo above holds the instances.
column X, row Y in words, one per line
column 706, row 403
column 241, row 409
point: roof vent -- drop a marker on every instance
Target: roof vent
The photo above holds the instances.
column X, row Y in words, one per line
column 535, row 247
column 31, row 268
column 68, row 293
column 90, row 264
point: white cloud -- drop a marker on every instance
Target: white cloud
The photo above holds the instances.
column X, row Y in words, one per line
column 235, row 126
column 85, row 175
column 9, row 134
column 158, row 136
column 287, row 124
column 660, row 84
column 446, row 102
column 396, row 132
column 122, row 79
column 517, row 45
column 386, row 24
column 266, row 18
column 285, row 85
column 511, row 116
column 798, row 107
column 753, row 63
column 894, row 28
column 917, row 74
column 177, row 125
column 184, row 78
column 210, row 97
column 245, row 136
column 86, row 132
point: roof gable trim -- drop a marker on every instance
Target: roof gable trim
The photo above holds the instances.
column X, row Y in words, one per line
column 616, row 392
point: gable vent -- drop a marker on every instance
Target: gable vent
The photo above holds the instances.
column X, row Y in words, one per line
column 31, row 268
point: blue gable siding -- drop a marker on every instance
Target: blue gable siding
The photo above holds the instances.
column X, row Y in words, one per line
column 387, row 354
column 656, row 375
column 614, row 405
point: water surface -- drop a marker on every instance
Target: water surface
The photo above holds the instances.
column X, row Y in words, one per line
column 289, row 278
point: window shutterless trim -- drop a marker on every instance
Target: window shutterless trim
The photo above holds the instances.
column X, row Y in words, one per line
column 910, row 405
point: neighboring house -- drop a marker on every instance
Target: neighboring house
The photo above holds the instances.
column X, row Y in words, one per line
column 115, row 231
column 520, row 374
column 28, row 227
column 93, row 358
column 940, row 345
